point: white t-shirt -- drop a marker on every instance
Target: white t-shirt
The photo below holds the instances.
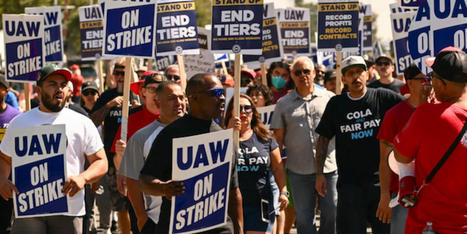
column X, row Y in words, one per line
column 82, row 139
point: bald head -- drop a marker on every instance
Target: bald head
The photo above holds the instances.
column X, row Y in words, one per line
column 201, row 82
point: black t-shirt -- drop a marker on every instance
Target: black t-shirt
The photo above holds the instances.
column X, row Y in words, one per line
column 394, row 86
column 253, row 166
column 355, row 124
column 159, row 161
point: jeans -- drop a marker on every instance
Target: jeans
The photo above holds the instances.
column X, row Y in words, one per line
column 399, row 215
column 304, row 195
column 356, row 207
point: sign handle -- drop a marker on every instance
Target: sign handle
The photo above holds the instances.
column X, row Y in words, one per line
column 27, row 96
column 100, row 76
column 236, row 107
column 224, row 68
column 181, row 68
column 264, row 80
column 338, row 72
column 149, row 63
column 126, row 98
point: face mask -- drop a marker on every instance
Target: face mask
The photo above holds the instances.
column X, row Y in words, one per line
column 278, row 82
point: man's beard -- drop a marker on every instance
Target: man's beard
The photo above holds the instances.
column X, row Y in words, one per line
column 47, row 102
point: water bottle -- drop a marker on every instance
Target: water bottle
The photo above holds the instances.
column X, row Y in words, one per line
column 428, row 228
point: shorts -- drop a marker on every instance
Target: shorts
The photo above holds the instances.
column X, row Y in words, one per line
column 252, row 219
column 119, row 202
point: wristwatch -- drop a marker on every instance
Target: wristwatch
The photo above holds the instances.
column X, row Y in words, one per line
column 286, row 193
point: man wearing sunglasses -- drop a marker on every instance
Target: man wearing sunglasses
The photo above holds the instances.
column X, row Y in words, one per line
column 394, row 121
column 173, row 73
column 295, row 118
column 207, row 99
column 430, row 132
column 385, row 68
column 353, row 118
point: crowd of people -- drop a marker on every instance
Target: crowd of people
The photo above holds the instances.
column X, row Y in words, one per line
column 361, row 158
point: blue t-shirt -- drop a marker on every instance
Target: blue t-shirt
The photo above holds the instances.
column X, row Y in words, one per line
column 254, row 166
column 12, row 100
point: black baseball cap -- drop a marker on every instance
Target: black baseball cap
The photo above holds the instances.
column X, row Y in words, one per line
column 89, row 85
column 384, row 56
column 329, row 75
column 451, row 65
column 51, row 70
column 411, row 71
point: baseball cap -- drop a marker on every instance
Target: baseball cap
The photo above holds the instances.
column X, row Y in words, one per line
column 3, row 81
column 148, row 77
column 51, row 70
column 89, row 85
column 329, row 75
column 411, row 71
column 429, row 61
column 451, row 65
column 352, row 61
column 383, row 56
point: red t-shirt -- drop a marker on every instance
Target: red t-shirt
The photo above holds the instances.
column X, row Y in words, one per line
column 136, row 121
column 431, row 130
column 394, row 121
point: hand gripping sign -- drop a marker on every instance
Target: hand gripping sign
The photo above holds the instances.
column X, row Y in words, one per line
column 176, row 31
column 39, row 170
column 24, row 46
column 272, row 46
column 338, row 25
column 437, row 24
column 53, row 38
column 400, row 27
column 129, row 28
column 295, row 31
column 203, row 163
column 237, row 26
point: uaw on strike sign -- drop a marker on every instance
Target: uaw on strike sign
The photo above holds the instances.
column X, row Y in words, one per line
column 437, row 24
column 24, row 46
column 203, row 163
column 39, row 170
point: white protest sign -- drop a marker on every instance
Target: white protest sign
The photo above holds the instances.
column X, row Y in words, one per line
column 400, row 27
column 39, row 170
column 129, row 28
column 204, row 62
column 396, row 8
column 203, row 163
column 24, row 46
column 53, row 38
column 437, row 24
column 266, row 113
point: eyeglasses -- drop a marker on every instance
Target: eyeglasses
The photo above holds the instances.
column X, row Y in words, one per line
column 246, row 108
column 87, row 93
column 216, row 92
column 151, row 89
column 304, row 71
column 383, row 63
column 173, row 77
column 118, row 73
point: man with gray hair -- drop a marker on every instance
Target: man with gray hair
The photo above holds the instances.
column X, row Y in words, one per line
column 295, row 119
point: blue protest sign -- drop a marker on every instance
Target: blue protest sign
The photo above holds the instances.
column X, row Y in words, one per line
column 338, row 25
column 400, row 27
column 91, row 25
column 410, row 3
column 39, row 170
column 53, row 38
column 434, row 29
column 294, row 26
column 272, row 46
column 367, row 33
column 266, row 113
column 24, row 46
column 129, row 28
column 176, row 28
column 237, row 26
column 203, row 163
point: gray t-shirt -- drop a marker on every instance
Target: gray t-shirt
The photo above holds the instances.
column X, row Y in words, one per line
column 299, row 117
column 136, row 151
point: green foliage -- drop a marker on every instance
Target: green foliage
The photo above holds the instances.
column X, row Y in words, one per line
column 203, row 12
column 313, row 16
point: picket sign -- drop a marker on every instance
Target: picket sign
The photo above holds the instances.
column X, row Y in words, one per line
column 264, row 80
column 339, row 72
column 181, row 67
column 126, row 97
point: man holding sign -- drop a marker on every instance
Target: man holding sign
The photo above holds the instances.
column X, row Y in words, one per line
column 83, row 143
column 207, row 101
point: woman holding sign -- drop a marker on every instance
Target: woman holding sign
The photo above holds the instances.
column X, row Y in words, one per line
column 258, row 156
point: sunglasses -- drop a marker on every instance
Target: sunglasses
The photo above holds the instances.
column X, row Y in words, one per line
column 246, row 108
column 216, row 93
column 383, row 63
column 173, row 77
column 118, row 73
column 87, row 93
column 304, row 71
